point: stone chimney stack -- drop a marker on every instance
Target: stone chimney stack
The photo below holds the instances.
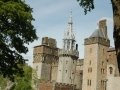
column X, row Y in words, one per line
column 103, row 27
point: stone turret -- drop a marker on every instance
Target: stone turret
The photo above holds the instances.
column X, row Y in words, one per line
column 103, row 27
column 95, row 64
column 68, row 56
column 43, row 57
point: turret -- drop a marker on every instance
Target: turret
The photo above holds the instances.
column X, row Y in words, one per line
column 95, row 64
column 68, row 56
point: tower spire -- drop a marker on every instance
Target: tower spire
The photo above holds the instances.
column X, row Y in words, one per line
column 69, row 32
column 70, row 18
column 69, row 37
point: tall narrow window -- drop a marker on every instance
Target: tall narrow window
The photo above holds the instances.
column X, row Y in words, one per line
column 89, row 82
column 103, row 51
column 111, row 70
column 102, row 63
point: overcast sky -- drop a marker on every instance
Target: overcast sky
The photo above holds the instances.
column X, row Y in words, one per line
column 51, row 17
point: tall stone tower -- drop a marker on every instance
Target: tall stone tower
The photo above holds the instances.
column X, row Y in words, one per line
column 43, row 57
column 95, row 59
column 68, row 56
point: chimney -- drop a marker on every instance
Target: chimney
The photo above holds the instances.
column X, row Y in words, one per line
column 103, row 27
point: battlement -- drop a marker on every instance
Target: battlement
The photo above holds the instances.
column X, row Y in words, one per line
column 64, row 86
column 99, row 40
column 73, row 53
column 49, row 42
column 48, row 85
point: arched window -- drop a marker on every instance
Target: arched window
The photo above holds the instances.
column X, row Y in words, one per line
column 111, row 70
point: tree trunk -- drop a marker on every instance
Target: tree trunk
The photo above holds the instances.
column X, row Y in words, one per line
column 116, row 32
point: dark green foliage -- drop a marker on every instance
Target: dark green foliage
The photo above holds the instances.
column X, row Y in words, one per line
column 16, row 30
column 3, row 82
column 20, row 83
column 87, row 5
column 24, row 83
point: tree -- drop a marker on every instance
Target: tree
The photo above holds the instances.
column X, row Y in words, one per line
column 3, row 83
column 88, row 5
column 20, row 83
column 24, row 83
column 16, row 30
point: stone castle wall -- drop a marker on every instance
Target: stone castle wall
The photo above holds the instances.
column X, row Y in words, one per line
column 98, row 40
column 55, row 86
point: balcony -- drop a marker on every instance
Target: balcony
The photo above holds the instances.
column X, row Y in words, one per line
column 68, row 52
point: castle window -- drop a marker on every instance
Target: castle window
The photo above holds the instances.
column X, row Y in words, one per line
column 103, row 51
column 101, row 70
column 111, row 70
column 89, row 82
column 66, row 71
column 107, row 60
column 102, row 63
column 89, row 69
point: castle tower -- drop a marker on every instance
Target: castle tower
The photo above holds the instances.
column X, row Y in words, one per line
column 68, row 56
column 43, row 57
column 95, row 59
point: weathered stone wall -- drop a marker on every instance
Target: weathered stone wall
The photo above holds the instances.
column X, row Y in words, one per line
column 95, row 67
column 66, row 70
column 79, row 74
column 98, row 40
column 63, row 86
column 102, row 67
column 54, row 71
column 90, row 67
column 46, row 85
column 56, row 86
column 43, row 57
column 113, row 83
column 112, row 62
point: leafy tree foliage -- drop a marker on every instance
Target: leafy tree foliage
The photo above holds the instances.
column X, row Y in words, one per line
column 24, row 83
column 16, row 30
column 3, row 82
column 88, row 5
column 20, row 83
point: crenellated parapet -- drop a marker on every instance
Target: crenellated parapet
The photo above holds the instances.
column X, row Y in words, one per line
column 64, row 86
column 73, row 53
column 48, row 85
column 99, row 40
column 45, row 54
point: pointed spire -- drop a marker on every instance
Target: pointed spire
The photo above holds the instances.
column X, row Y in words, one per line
column 69, row 34
column 70, row 18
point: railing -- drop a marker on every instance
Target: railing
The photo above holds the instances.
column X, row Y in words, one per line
column 68, row 52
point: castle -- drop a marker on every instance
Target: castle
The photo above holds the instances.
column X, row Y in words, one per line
column 61, row 69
